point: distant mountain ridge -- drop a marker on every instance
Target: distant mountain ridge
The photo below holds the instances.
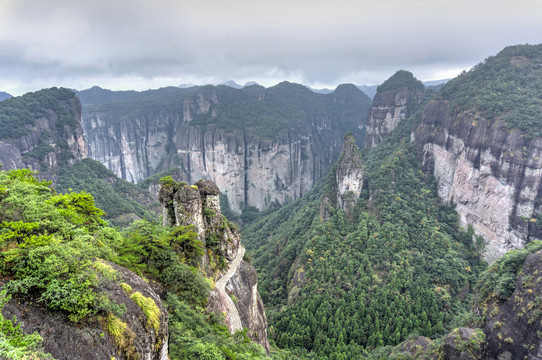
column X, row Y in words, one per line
column 263, row 147
column 4, row 95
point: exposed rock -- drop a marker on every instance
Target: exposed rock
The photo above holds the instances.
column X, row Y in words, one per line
column 492, row 174
column 89, row 339
column 394, row 101
column 415, row 348
column 55, row 134
column 514, row 326
column 249, row 167
column 244, row 286
column 199, row 205
column 349, row 175
column 464, row 344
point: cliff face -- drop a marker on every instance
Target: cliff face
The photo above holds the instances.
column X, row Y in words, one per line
column 236, row 288
column 513, row 326
column 491, row 173
column 349, row 175
column 395, row 100
column 260, row 146
column 42, row 131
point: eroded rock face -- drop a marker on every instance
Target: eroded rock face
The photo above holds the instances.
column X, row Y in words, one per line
column 89, row 338
column 199, row 205
column 513, row 326
column 464, row 344
column 349, row 175
column 249, row 168
column 63, row 138
column 388, row 110
column 492, row 174
column 244, row 286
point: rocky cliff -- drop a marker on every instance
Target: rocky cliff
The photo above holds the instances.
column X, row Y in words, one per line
column 260, row 146
column 480, row 138
column 396, row 99
column 492, row 174
column 349, row 175
column 235, row 293
column 41, row 130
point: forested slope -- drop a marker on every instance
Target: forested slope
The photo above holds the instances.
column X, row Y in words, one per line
column 339, row 285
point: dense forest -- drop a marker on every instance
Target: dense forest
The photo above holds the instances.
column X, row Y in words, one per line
column 343, row 285
column 56, row 249
column 506, row 87
column 354, row 284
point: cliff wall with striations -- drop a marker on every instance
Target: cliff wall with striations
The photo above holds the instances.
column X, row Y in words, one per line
column 262, row 147
column 41, row 130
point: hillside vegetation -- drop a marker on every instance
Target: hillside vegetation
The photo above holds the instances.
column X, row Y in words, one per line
column 267, row 112
column 52, row 250
column 338, row 286
column 507, row 86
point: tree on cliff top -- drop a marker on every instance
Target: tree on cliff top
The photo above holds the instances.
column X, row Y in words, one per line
column 400, row 79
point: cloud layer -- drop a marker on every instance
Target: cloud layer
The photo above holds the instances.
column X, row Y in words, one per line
column 141, row 44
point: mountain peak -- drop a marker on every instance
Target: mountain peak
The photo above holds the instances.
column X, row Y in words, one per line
column 349, row 174
column 401, row 79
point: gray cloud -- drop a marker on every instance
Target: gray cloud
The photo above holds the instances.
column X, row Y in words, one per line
column 142, row 44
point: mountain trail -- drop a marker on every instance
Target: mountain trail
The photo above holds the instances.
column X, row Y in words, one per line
column 235, row 320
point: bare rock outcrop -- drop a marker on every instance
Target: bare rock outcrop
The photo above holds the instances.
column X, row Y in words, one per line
column 491, row 173
column 236, row 287
column 349, row 174
column 396, row 99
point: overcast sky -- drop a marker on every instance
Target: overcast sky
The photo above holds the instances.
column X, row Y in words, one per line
column 142, row 44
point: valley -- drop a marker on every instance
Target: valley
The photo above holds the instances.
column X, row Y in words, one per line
column 212, row 222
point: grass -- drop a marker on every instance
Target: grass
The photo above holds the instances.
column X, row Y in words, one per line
column 127, row 288
column 107, row 270
column 122, row 335
column 149, row 307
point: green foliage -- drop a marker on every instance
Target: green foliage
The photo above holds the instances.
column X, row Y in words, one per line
column 499, row 280
column 150, row 309
column 507, row 86
column 195, row 334
column 12, row 334
column 396, row 266
column 19, row 113
column 54, row 248
column 122, row 336
column 112, row 194
column 401, row 79
column 209, row 213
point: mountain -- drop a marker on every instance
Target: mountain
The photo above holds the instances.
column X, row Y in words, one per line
column 481, row 139
column 370, row 90
column 41, row 130
column 395, row 100
column 199, row 206
column 4, row 95
column 232, row 84
column 366, row 258
column 71, row 282
column 503, row 322
column 262, row 147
